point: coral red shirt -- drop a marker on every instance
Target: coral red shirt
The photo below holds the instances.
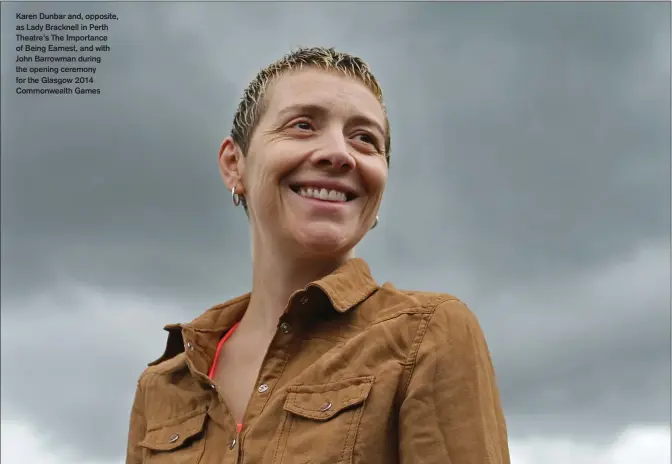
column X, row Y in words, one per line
column 211, row 374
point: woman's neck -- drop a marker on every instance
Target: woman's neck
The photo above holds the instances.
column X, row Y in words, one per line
column 275, row 277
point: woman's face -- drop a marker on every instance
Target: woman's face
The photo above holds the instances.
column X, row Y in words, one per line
column 315, row 171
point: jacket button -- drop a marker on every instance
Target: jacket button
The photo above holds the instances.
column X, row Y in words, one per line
column 285, row 328
column 304, row 300
column 190, row 346
column 174, row 438
column 325, row 407
column 263, row 388
column 233, row 444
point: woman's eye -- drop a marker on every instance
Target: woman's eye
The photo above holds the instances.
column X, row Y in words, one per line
column 366, row 138
column 303, row 125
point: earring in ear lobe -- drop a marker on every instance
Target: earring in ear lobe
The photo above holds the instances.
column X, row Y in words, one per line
column 375, row 223
column 237, row 199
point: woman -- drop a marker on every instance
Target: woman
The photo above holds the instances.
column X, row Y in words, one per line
column 318, row 363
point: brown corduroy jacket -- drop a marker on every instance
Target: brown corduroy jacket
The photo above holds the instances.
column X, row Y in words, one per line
column 356, row 373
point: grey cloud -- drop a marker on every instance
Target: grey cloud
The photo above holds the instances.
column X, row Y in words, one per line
column 549, row 352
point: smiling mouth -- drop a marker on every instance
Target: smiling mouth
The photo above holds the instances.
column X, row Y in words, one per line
column 323, row 194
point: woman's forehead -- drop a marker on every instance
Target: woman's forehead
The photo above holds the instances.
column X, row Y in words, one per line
column 320, row 90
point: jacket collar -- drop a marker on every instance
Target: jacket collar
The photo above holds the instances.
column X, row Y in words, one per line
column 346, row 287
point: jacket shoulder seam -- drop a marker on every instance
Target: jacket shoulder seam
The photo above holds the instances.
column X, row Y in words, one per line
column 161, row 369
column 420, row 333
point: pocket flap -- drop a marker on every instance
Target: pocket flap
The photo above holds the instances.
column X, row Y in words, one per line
column 324, row 401
column 173, row 433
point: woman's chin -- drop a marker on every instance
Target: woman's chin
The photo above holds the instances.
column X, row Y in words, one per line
column 323, row 239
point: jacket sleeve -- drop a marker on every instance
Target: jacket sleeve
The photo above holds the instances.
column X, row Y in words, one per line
column 137, row 428
column 451, row 412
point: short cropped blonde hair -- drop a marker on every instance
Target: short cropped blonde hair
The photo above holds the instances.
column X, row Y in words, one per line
column 251, row 106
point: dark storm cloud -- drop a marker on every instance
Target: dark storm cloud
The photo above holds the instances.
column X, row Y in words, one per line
column 530, row 161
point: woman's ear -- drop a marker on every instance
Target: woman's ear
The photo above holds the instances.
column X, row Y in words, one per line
column 231, row 165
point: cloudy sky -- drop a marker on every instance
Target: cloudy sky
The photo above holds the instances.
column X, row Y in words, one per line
column 530, row 177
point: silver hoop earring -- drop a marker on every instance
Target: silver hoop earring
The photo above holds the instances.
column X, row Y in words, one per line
column 375, row 223
column 235, row 197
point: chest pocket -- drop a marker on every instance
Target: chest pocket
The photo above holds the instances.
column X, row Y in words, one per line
column 177, row 441
column 321, row 422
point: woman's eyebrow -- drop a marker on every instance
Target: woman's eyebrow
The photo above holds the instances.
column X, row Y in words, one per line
column 303, row 108
column 362, row 120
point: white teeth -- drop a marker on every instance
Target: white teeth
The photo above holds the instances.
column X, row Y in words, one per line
column 333, row 195
column 322, row 194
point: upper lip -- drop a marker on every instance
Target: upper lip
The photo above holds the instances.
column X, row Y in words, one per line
column 350, row 191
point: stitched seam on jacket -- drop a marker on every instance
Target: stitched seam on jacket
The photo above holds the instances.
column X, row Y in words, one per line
column 280, row 440
column 346, row 403
column 417, row 342
column 173, row 421
column 347, row 435
column 319, row 391
column 406, row 312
